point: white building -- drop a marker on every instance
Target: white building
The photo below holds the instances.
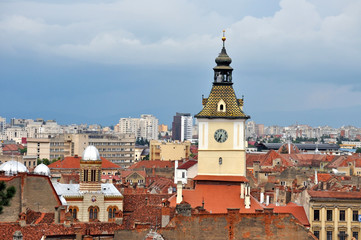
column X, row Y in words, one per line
column 144, row 127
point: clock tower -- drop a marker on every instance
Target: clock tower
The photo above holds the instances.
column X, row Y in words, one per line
column 221, row 124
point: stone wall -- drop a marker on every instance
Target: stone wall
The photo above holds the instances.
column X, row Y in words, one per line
column 232, row 226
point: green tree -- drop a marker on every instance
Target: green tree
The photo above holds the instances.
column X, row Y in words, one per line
column 44, row 161
column 6, row 194
column 275, row 140
column 23, row 151
column 358, row 150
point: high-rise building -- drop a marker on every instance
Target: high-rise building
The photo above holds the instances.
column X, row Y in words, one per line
column 144, row 127
column 182, row 127
column 2, row 127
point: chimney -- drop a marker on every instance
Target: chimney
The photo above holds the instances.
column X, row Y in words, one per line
column 175, row 171
column 179, row 192
column 261, row 198
column 242, row 190
column 267, row 200
column 247, row 199
column 276, row 197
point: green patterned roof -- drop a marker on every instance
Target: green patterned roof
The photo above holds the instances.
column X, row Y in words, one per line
column 233, row 106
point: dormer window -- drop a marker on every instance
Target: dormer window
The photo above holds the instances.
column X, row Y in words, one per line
column 221, row 106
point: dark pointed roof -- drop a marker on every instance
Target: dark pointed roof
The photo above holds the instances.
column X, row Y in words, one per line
column 225, row 93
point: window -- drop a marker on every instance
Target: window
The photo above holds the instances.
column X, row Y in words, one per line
column 85, row 177
column 221, row 107
column 111, row 213
column 317, row 234
column 355, row 216
column 355, row 235
column 73, row 211
column 183, row 174
column 342, row 215
column 329, row 215
column 316, row 215
column 329, row 235
column 93, row 213
column 92, row 175
column 342, row 235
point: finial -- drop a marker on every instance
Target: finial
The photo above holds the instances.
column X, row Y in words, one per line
column 224, row 37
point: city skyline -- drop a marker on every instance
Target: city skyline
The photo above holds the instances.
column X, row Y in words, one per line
column 96, row 62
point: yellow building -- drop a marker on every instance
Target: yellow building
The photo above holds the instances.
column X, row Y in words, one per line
column 334, row 215
column 91, row 200
column 166, row 151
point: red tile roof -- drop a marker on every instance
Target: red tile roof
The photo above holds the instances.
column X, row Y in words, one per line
column 334, row 194
column 217, row 198
column 297, row 211
column 150, row 164
column 220, row 178
column 267, row 159
column 126, row 173
column 323, row 177
column 74, row 163
column 188, row 164
column 12, row 147
column 37, row 231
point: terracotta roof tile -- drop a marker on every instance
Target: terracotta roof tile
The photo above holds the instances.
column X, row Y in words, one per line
column 151, row 164
column 297, row 211
column 334, row 194
column 217, row 198
column 188, row 164
column 74, row 163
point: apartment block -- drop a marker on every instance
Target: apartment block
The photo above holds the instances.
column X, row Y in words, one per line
column 119, row 149
column 144, row 127
column 165, row 151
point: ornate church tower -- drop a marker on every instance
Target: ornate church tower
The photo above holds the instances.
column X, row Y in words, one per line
column 90, row 170
column 221, row 146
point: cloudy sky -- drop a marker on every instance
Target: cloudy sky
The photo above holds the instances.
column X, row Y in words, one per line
column 96, row 61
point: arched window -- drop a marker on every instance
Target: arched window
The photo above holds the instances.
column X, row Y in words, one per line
column 221, row 106
column 111, row 213
column 93, row 213
column 74, row 211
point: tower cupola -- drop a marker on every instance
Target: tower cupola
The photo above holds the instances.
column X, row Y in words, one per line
column 223, row 72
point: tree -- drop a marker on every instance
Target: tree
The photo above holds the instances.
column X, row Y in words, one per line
column 358, row 150
column 6, row 194
column 23, row 151
column 44, row 160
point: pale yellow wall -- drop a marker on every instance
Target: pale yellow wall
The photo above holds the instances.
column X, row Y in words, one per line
column 232, row 151
column 335, row 225
column 232, row 163
column 169, row 150
column 101, row 203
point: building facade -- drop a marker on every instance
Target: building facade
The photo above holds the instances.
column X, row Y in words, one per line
column 168, row 151
column 182, row 127
column 119, row 149
column 334, row 215
column 91, row 200
column 144, row 127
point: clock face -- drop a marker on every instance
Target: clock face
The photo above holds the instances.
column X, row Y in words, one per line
column 221, row 135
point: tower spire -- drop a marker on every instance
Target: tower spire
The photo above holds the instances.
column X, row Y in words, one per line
column 224, row 38
column 223, row 72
